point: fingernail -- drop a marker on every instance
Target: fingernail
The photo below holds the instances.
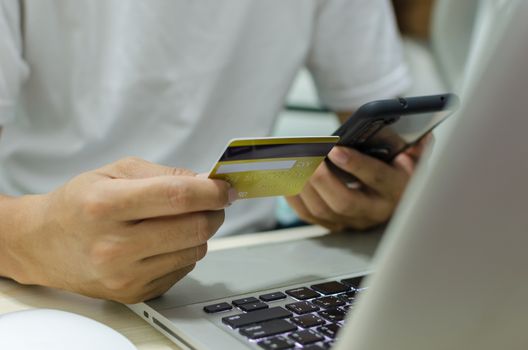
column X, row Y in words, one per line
column 232, row 195
column 339, row 156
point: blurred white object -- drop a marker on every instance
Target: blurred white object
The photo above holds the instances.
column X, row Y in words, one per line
column 47, row 329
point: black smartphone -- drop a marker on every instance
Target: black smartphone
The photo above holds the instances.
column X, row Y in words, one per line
column 385, row 128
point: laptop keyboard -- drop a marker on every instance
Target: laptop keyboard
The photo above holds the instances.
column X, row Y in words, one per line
column 310, row 321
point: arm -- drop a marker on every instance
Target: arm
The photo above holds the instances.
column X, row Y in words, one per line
column 125, row 232
column 355, row 56
column 414, row 17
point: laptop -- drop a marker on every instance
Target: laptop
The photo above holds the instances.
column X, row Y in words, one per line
column 450, row 271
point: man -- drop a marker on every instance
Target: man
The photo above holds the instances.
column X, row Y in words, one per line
column 85, row 83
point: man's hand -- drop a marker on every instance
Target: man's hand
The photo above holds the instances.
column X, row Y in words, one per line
column 326, row 201
column 125, row 232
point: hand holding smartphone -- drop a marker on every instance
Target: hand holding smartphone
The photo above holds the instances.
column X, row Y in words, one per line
column 385, row 128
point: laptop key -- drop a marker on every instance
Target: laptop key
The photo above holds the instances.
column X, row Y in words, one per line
column 332, row 315
column 332, row 287
column 246, row 319
column 253, row 306
column 266, row 329
column 272, row 296
column 354, row 282
column 306, row 336
column 307, row 321
column 327, row 345
column 211, row 309
column 328, row 302
column 277, row 343
column 302, row 293
column 242, row 301
column 330, row 330
column 302, row 307
column 345, row 308
column 315, row 347
column 348, row 296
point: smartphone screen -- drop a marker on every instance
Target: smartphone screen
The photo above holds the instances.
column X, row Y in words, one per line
column 384, row 128
column 384, row 140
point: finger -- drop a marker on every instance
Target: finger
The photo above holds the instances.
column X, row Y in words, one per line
column 417, row 150
column 137, row 168
column 316, row 205
column 373, row 172
column 352, row 204
column 136, row 199
column 404, row 162
column 172, row 234
column 161, row 285
column 297, row 204
column 164, row 264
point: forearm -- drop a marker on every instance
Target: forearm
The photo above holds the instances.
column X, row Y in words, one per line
column 19, row 217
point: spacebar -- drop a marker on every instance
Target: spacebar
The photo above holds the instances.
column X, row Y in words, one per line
column 241, row 320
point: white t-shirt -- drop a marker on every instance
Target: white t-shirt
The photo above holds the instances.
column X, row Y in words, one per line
column 84, row 83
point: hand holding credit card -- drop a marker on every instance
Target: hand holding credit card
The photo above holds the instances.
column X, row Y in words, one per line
column 271, row 166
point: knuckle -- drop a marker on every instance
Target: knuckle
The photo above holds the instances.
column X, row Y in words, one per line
column 95, row 205
column 359, row 225
column 334, row 227
column 119, row 284
column 129, row 162
column 200, row 252
column 344, row 208
column 185, row 271
column 318, row 178
column 172, row 279
column 154, row 293
column 340, row 227
column 217, row 219
column 128, row 165
column 300, row 210
column 132, row 298
column 179, row 195
column 364, row 225
column 321, row 212
column 105, row 253
column 303, row 214
column 181, row 172
column 181, row 259
column 307, row 218
column 353, row 167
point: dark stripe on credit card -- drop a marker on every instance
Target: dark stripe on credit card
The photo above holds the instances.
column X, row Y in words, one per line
column 277, row 151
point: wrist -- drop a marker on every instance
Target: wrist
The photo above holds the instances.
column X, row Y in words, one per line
column 21, row 218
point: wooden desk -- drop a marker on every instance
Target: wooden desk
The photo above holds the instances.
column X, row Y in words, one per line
column 15, row 297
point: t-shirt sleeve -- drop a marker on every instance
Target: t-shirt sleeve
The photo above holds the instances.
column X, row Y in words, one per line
column 356, row 53
column 13, row 68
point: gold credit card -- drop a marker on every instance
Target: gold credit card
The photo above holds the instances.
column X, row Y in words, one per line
column 271, row 166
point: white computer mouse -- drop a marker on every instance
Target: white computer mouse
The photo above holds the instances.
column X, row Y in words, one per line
column 47, row 329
